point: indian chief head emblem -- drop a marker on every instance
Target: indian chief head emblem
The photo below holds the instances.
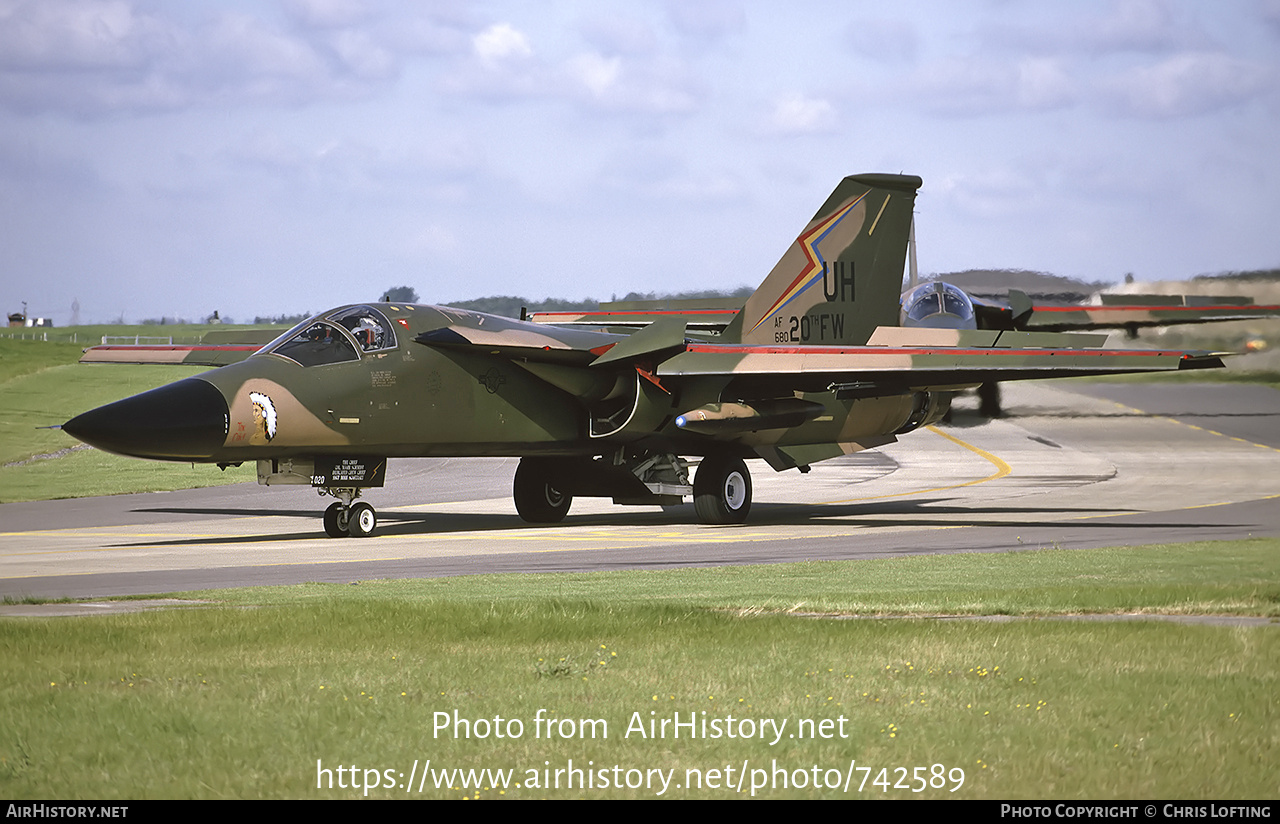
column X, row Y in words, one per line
column 264, row 417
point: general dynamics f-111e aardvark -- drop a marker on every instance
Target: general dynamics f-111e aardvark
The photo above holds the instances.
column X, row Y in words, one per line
column 593, row 413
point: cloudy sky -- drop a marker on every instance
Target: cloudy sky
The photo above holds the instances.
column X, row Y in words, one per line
column 173, row 158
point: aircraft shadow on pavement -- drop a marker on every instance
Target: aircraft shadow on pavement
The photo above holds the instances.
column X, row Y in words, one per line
column 924, row 512
column 238, row 512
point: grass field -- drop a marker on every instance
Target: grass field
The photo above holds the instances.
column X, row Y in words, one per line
column 41, row 385
column 257, row 692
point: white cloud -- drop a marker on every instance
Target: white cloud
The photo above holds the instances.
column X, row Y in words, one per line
column 797, row 114
column 1140, row 25
column 1129, row 26
column 981, row 86
column 363, row 56
column 245, row 47
column 596, row 72
column 76, row 34
column 1043, row 83
column 658, row 85
column 501, row 42
column 107, row 58
column 1189, row 84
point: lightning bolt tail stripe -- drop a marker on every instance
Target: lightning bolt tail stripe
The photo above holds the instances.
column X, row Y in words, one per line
column 813, row 268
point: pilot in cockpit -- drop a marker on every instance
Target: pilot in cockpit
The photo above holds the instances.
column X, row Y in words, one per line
column 368, row 334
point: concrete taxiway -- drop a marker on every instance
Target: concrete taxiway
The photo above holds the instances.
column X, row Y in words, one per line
column 1088, row 465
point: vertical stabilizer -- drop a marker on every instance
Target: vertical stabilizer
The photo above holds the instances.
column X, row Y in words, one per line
column 842, row 277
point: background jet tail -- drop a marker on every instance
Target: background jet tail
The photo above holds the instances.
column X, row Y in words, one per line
column 842, row 277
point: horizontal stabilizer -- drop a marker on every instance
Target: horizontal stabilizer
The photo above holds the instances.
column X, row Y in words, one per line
column 663, row 335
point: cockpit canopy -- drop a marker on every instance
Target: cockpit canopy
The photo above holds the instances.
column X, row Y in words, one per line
column 341, row 335
column 938, row 305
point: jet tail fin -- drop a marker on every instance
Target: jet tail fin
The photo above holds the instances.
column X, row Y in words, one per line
column 842, row 277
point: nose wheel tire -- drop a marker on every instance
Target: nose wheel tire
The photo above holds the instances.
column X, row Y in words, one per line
column 722, row 491
column 363, row 521
column 358, row 521
column 335, row 521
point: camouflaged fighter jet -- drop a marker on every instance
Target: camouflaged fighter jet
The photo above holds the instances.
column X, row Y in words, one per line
column 812, row 367
column 943, row 305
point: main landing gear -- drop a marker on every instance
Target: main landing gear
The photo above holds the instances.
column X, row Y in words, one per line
column 342, row 519
column 722, row 490
column 544, row 487
column 537, row 501
column 989, row 400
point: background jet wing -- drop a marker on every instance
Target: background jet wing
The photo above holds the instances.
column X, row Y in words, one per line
column 195, row 354
column 217, row 348
column 1139, row 311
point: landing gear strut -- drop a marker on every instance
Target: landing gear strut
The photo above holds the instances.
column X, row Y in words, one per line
column 342, row 519
column 989, row 400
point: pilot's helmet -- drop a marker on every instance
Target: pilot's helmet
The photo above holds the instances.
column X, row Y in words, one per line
column 369, row 334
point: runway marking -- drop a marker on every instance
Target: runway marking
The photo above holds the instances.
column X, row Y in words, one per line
column 1002, row 469
column 1155, row 416
column 1175, row 509
column 1170, row 419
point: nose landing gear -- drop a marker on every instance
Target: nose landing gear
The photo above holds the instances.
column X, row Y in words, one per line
column 342, row 519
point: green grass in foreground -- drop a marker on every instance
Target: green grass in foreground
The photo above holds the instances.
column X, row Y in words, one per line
column 228, row 701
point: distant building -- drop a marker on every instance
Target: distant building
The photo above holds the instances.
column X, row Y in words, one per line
column 20, row 319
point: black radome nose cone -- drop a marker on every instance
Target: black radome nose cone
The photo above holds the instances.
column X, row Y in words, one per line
column 183, row 421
